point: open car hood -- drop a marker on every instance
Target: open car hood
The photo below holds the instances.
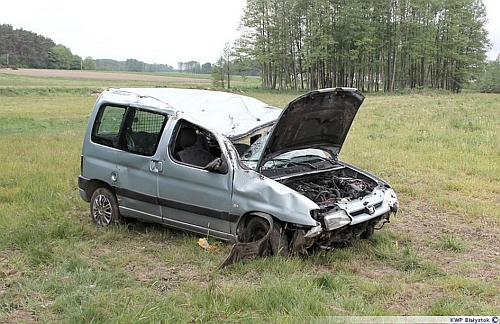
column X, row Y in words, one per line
column 317, row 119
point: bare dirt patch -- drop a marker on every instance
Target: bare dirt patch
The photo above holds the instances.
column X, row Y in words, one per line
column 21, row 316
column 426, row 226
column 101, row 75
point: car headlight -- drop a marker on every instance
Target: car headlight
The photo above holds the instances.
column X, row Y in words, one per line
column 336, row 219
column 391, row 199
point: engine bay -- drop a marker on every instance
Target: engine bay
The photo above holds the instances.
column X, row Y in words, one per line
column 326, row 189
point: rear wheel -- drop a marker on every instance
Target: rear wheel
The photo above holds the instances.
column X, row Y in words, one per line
column 104, row 208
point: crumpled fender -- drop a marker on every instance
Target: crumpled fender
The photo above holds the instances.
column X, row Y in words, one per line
column 245, row 252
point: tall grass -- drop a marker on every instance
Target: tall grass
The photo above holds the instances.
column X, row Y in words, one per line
column 439, row 256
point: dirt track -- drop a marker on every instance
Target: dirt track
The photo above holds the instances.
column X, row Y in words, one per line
column 101, row 75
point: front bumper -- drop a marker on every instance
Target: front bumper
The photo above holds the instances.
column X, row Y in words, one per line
column 353, row 220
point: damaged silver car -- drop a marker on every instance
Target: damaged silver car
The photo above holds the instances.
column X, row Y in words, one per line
column 232, row 167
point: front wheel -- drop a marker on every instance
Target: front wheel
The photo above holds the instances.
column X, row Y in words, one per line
column 258, row 227
column 104, row 208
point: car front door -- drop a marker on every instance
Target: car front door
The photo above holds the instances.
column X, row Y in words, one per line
column 192, row 197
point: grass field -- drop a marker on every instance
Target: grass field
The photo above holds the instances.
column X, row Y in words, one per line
column 439, row 256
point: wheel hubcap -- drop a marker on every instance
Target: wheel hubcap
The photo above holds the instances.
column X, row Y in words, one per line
column 101, row 210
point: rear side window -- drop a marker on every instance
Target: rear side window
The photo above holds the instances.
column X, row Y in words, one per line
column 108, row 125
column 143, row 133
column 130, row 129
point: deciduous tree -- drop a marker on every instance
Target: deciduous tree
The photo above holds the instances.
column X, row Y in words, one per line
column 369, row 44
column 89, row 63
column 60, row 57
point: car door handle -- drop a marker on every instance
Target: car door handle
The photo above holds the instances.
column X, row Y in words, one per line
column 155, row 166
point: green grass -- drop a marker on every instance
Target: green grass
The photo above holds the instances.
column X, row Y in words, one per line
column 439, row 256
column 451, row 242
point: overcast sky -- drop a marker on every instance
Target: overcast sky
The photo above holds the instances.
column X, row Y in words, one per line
column 165, row 32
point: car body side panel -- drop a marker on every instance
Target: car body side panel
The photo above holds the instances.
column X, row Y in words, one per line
column 129, row 176
column 192, row 195
column 254, row 192
column 138, row 187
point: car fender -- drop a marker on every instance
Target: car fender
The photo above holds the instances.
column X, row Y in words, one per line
column 253, row 192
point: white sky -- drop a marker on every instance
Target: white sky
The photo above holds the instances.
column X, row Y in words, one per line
column 493, row 26
column 167, row 32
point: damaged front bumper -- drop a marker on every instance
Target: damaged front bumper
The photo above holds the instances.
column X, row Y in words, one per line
column 348, row 223
column 302, row 242
column 338, row 227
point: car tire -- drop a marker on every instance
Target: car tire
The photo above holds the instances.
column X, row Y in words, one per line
column 367, row 233
column 104, row 208
column 258, row 227
column 370, row 229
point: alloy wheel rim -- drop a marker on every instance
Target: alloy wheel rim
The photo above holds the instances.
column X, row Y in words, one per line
column 101, row 210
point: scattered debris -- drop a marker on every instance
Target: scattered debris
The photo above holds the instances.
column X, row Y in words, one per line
column 204, row 244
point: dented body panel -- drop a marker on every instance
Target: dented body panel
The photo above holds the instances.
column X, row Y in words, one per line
column 252, row 193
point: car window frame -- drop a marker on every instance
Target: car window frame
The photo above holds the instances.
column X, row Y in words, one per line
column 172, row 150
column 126, row 123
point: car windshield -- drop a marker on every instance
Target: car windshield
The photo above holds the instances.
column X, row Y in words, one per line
column 305, row 157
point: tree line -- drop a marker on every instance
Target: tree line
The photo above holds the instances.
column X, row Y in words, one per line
column 20, row 48
column 373, row 45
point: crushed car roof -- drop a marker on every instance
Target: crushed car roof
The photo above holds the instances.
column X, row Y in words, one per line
column 231, row 114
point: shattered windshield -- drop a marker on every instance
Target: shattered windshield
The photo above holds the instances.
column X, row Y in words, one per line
column 254, row 152
column 303, row 157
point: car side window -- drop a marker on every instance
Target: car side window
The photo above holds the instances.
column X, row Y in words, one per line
column 194, row 145
column 130, row 129
column 143, row 132
column 107, row 126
